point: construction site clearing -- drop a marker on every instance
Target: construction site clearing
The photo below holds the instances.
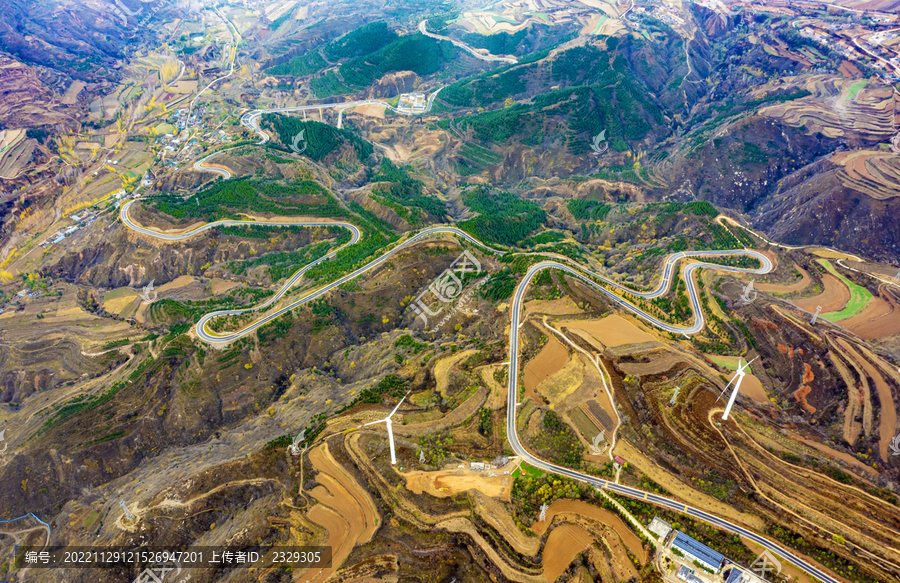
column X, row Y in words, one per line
column 494, row 482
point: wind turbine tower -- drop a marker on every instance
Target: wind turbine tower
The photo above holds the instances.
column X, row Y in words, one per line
column 738, row 376
column 387, row 421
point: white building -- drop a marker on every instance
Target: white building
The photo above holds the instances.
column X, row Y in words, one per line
column 660, row 527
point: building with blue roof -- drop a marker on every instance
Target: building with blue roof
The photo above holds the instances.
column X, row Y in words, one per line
column 697, row 551
column 735, row 575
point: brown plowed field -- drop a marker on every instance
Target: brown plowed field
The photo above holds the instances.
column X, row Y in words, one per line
column 752, row 387
column 566, row 387
column 794, row 287
column 579, row 509
column 363, row 501
column 833, row 299
column 345, row 510
column 338, row 529
column 560, row 307
column 563, row 544
column 611, row 330
column 550, row 360
column 879, row 319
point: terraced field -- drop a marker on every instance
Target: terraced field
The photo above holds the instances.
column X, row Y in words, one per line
column 873, row 172
column 836, row 112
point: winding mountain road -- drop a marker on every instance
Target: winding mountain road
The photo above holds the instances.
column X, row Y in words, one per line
column 582, row 273
column 588, row 277
column 223, row 172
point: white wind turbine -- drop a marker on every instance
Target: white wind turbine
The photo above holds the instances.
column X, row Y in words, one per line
column 738, row 376
column 387, row 421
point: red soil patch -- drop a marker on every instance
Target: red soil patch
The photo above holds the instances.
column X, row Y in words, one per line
column 550, row 360
column 808, row 375
column 833, row 299
column 764, row 325
column 801, row 393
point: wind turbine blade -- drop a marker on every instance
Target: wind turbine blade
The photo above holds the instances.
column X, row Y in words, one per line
column 373, row 422
column 398, row 405
column 726, row 387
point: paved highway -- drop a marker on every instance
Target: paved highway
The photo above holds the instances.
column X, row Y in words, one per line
column 512, row 435
column 583, row 274
column 203, row 331
column 198, row 165
column 668, row 277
